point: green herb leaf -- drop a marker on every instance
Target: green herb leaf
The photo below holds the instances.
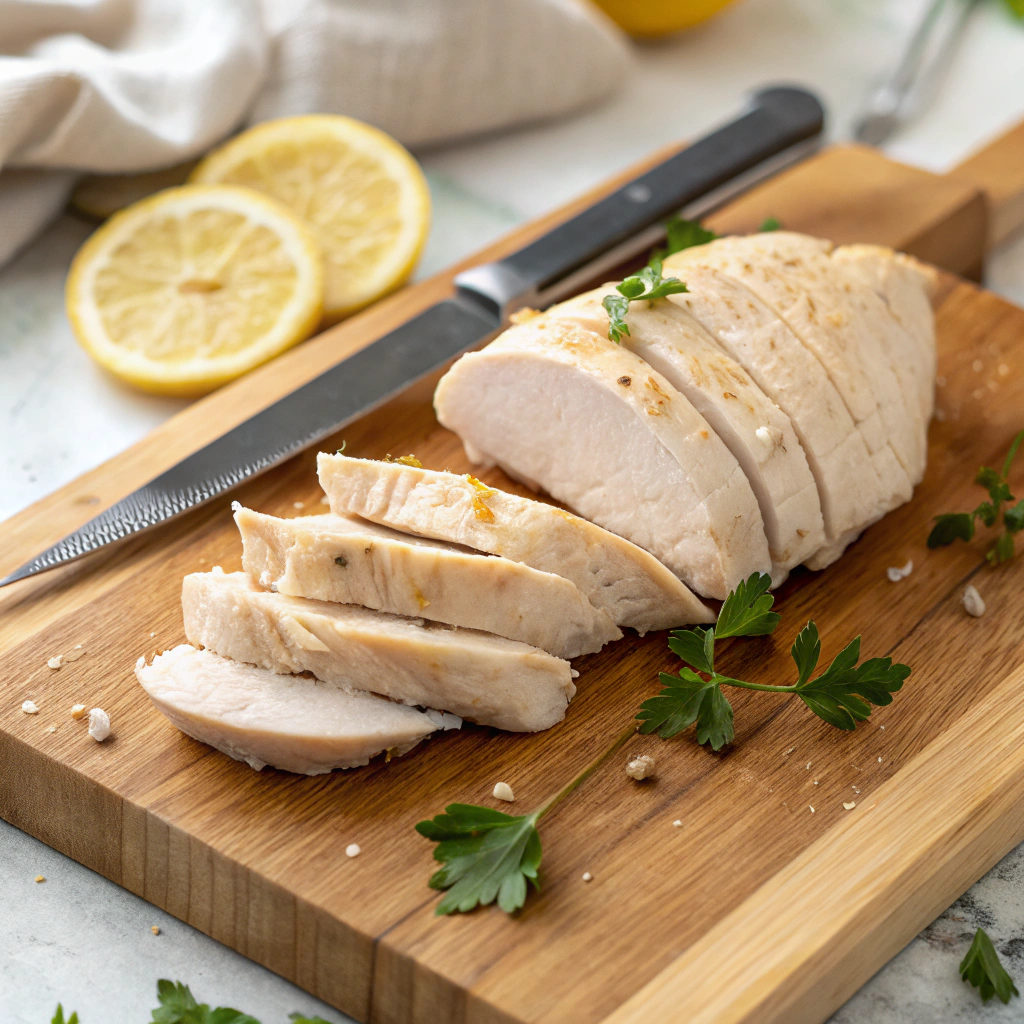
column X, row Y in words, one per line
column 694, row 646
column 645, row 285
column 806, row 650
column 1013, row 518
column 178, row 1006
column 1016, row 8
column 681, row 703
column 770, row 224
column 982, row 969
column 685, row 234
column 297, row 1018
column 843, row 694
column 747, row 610
column 58, row 1017
column 951, row 526
column 487, row 856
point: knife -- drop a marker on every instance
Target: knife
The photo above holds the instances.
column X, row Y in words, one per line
column 778, row 127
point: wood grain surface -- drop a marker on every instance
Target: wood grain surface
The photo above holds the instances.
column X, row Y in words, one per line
column 256, row 859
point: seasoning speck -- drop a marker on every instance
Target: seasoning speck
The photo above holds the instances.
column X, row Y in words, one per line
column 99, row 724
column 155, row 930
column 849, row 806
column 78, row 712
column 972, row 601
column 353, row 850
column 587, row 876
column 641, row 767
column 897, row 573
column 29, row 707
column 503, row 791
column 341, row 560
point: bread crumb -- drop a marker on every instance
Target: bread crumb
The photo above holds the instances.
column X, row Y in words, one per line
column 972, row 601
column 353, row 850
column 151, row 635
column 641, row 767
column 677, row 823
column 155, row 930
column 815, row 781
column 879, row 760
column 56, row 661
column 52, row 728
column 849, row 806
column 40, row 878
column 78, row 712
column 99, row 724
column 587, row 876
column 808, row 765
column 812, row 809
column 897, row 573
column 503, row 791
column 788, row 752
column 29, row 707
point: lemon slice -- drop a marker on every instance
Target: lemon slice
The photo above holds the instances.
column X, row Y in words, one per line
column 363, row 195
column 190, row 288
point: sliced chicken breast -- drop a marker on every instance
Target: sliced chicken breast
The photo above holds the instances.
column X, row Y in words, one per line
column 851, row 494
column 337, row 558
column 906, row 285
column 758, row 433
column 796, row 284
column 627, row 582
column 294, row 723
column 472, row 674
column 588, row 421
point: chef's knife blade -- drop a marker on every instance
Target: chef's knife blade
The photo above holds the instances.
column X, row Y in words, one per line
column 777, row 128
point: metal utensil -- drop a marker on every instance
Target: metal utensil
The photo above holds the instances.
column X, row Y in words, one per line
column 778, row 127
column 917, row 76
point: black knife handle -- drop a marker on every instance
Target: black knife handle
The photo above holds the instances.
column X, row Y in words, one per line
column 778, row 118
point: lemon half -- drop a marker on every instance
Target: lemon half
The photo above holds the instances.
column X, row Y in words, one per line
column 194, row 286
column 363, row 195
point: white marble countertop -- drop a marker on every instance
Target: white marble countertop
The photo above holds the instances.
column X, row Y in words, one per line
column 81, row 939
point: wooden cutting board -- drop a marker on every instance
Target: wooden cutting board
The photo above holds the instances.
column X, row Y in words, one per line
column 771, row 902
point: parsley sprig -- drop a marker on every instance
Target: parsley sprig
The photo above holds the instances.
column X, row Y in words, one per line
column 953, row 526
column 842, row 695
column 646, row 284
column 982, row 969
column 58, row 1017
column 488, row 855
column 179, row 1006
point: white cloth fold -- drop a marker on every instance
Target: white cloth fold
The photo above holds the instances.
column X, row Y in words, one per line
column 118, row 86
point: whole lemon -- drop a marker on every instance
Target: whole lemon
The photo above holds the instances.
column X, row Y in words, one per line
column 659, row 17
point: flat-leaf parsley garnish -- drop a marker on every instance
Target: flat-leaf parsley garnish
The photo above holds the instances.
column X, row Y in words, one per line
column 842, row 695
column 645, row 285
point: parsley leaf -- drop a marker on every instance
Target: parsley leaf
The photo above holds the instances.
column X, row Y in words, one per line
column 952, row 526
column 842, row 695
column 770, row 224
column 178, row 1006
column 297, row 1018
column 58, row 1017
column 647, row 285
column 486, row 854
column 982, row 969
column 685, row 234
column 747, row 610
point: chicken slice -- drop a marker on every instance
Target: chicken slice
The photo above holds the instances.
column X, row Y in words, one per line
column 906, row 285
column 336, row 558
column 759, row 435
column 472, row 674
column 852, row 497
column 294, row 723
column 564, row 409
column 799, row 286
column 627, row 582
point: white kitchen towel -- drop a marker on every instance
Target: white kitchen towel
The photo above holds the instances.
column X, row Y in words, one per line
column 117, row 86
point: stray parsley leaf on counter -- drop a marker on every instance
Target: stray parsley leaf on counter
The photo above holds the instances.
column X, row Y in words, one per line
column 645, row 284
column 842, row 695
column 953, row 526
column 982, row 969
column 58, row 1017
column 178, row 1006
